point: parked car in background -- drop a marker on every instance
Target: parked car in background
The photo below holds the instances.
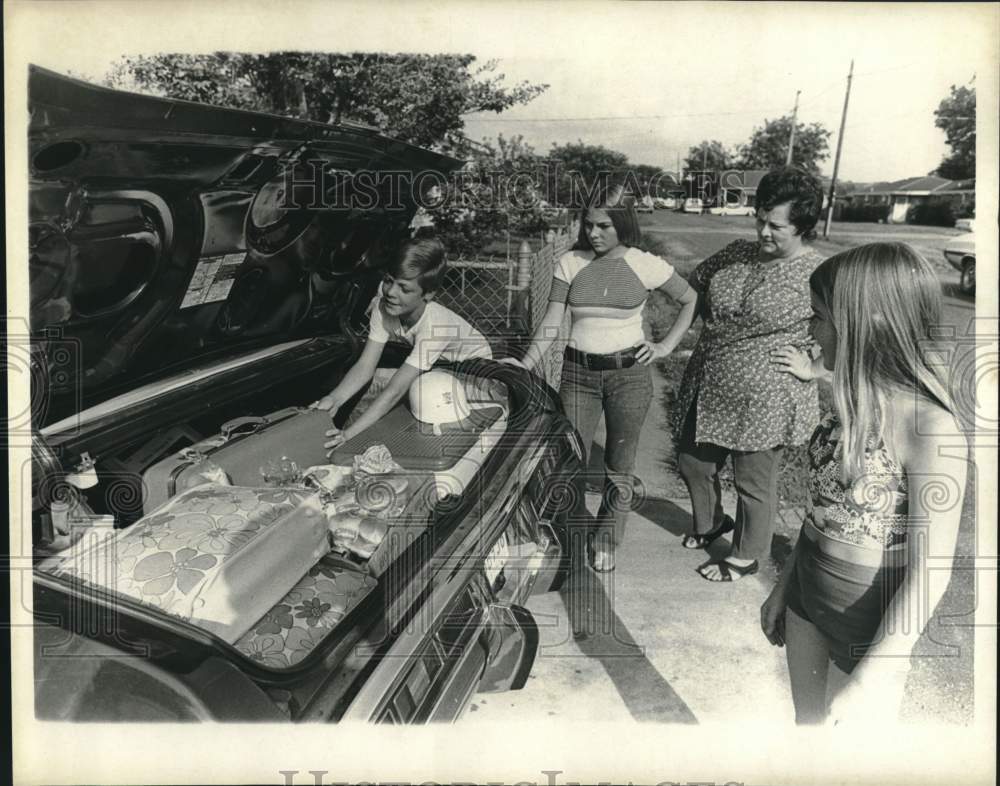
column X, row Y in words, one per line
column 693, row 205
column 660, row 203
column 961, row 253
column 734, row 209
column 183, row 318
column 966, row 224
column 644, row 205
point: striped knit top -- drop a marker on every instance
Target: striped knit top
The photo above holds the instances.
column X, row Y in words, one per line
column 606, row 296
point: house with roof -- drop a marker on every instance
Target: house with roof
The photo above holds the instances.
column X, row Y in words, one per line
column 739, row 187
column 900, row 196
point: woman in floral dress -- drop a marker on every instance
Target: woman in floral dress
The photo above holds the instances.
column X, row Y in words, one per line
column 735, row 399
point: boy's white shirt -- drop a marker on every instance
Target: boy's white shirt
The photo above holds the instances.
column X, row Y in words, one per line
column 439, row 334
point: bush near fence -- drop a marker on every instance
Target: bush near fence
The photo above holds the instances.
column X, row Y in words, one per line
column 505, row 297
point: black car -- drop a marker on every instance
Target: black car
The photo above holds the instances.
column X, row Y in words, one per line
column 184, row 313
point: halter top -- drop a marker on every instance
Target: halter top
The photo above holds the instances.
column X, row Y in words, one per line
column 870, row 512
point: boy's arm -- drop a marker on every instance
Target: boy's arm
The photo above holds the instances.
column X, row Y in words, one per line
column 398, row 387
column 359, row 375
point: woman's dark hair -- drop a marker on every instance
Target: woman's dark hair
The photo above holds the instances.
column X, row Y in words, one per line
column 423, row 256
column 801, row 190
column 614, row 200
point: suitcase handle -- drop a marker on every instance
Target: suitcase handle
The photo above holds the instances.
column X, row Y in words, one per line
column 252, row 424
column 248, row 425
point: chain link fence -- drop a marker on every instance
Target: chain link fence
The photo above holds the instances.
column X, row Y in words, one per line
column 482, row 291
column 505, row 297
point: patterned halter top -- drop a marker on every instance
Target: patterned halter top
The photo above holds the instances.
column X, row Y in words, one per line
column 871, row 512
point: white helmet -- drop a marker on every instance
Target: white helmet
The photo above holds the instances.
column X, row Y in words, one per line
column 438, row 399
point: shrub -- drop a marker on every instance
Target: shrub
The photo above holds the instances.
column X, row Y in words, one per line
column 966, row 210
column 935, row 213
column 873, row 213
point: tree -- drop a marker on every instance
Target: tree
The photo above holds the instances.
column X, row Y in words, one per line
column 420, row 99
column 498, row 190
column 768, row 146
column 956, row 116
column 576, row 169
column 653, row 180
column 709, row 157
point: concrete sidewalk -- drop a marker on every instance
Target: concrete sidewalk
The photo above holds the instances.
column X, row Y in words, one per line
column 668, row 646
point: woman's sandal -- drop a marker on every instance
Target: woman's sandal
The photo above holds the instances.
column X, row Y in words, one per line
column 602, row 561
column 701, row 541
column 727, row 569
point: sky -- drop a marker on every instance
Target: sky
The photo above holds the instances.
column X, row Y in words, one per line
column 647, row 79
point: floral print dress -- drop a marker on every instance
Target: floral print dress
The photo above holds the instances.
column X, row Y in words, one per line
column 750, row 307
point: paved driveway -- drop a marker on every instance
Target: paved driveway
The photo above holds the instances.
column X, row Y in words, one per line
column 666, row 645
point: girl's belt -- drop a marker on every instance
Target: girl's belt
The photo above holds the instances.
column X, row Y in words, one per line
column 849, row 552
column 623, row 359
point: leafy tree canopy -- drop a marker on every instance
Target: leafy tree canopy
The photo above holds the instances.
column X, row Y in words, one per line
column 575, row 169
column 768, row 146
column 420, row 99
column 498, row 191
column 956, row 116
column 709, row 156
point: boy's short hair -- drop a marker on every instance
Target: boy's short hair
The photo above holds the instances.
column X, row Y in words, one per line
column 425, row 257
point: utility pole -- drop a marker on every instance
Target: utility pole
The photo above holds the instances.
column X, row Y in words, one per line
column 836, row 160
column 704, row 175
column 791, row 137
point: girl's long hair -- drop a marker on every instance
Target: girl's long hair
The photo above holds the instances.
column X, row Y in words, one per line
column 613, row 198
column 884, row 299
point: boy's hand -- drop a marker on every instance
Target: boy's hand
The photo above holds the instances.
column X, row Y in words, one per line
column 793, row 361
column 336, row 438
column 327, row 402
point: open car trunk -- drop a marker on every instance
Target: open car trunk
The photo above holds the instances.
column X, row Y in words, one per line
column 292, row 583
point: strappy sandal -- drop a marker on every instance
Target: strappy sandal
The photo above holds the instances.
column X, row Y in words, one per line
column 701, row 541
column 600, row 561
column 727, row 569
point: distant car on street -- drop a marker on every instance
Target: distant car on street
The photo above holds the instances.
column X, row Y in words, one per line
column 693, row 205
column 644, row 205
column 961, row 253
column 966, row 224
column 660, row 203
column 734, row 209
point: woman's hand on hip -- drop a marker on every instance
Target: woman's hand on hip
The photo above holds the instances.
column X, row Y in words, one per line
column 793, row 361
column 649, row 351
column 772, row 617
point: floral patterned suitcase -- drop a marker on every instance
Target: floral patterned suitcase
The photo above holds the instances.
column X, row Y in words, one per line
column 218, row 557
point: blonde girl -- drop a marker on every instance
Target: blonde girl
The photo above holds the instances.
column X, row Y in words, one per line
column 887, row 477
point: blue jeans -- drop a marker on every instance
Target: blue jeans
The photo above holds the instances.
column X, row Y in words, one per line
column 623, row 395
